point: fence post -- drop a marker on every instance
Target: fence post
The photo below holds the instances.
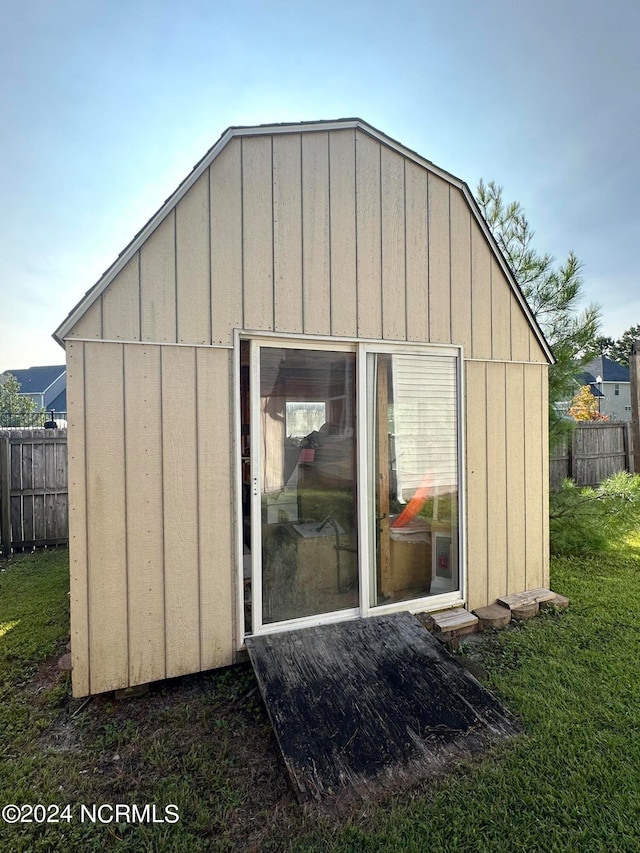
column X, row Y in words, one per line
column 628, row 453
column 634, row 369
column 5, row 495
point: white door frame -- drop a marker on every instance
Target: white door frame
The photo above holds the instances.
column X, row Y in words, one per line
column 365, row 521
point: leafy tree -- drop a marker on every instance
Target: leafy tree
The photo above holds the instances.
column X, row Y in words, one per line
column 553, row 292
column 621, row 349
column 584, row 406
column 13, row 407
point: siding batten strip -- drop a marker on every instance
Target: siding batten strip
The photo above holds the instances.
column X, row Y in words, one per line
column 87, row 510
column 210, row 256
column 273, row 254
column 302, row 276
column 139, row 297
column 406, row 286
column 329, row 247
column 164, row 526
column 175, row 271
column 486, row 458
column 429, row 243
column 355, row 235
column 471, row 287
column 242, row 218
column 126, row 516
column 451, row 305
column 526, row 479
column 381, row 240
column 506, row 485
column 197, row 475
column 491, row 309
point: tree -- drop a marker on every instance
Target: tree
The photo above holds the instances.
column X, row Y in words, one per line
column 621, row 348
column 584, row 406
column 553, row 293
column 604, row 345
column 14, row 408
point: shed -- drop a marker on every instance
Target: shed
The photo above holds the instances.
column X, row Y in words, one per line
column 308, row 390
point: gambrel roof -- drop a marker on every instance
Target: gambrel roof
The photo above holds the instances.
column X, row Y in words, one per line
column 302, row 127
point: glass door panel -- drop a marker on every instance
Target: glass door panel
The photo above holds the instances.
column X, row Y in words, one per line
column 413, row 482
column 307, row 488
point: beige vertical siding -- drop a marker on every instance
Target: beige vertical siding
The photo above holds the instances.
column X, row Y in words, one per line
column 520, row 331
column 193, row 278
column 417, row 252
column 536, row 466
column 461, row 291
column 323, row 233
column 439, row 261
column 516, row 482
column 106, row 517
column 180, row 464
column 90, row 324
column 476, row 482
column 215, row 522
column 158, row 283
column 394, row 308
column 536, row 353
column 152, row 554
column 506, row 469
column 501, row 295
column 544, row 432
column 342, row 216
column 316, row 268
column 496, row 479
column 287, row 232
column 226, row 243
column 481, row 346
column 368, row 237
column 144, row 512
column 79, row 597
column 121, row 304
column 257, row 232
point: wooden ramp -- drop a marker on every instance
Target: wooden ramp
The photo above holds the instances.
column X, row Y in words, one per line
column 371, row 704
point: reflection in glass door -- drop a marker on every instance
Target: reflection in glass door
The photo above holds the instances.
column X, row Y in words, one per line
column 413, row 476
column 305, row 491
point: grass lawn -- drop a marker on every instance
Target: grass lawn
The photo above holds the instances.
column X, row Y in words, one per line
column 571, row 782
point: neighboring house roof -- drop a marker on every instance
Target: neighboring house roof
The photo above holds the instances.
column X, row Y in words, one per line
column 36, row 380
column 295, row 127
column 607, row 369
column 59, row 403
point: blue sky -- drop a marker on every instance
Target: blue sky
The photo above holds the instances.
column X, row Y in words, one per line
column 106, row 107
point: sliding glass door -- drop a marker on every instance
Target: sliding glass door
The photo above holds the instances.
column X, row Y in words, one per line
column 306, row 537
column 412, row 415
column 355, row 480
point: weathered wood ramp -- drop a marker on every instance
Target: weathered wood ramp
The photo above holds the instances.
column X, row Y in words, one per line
column 370, row 705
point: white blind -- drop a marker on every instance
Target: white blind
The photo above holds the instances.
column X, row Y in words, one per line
column 425, row 423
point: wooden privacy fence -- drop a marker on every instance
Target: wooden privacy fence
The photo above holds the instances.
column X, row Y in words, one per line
column 33, row 488
column 592, row 452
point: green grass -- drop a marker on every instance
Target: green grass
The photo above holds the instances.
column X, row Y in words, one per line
column 570, row 782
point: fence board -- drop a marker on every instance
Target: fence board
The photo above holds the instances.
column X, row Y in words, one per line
column 591, row 453
column 33, row 488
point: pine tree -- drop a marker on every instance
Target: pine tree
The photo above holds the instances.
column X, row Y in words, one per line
column 554, row 293
column 621, row 348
